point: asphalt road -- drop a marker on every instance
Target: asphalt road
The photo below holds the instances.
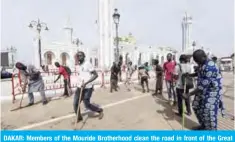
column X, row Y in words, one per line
column 122, row 110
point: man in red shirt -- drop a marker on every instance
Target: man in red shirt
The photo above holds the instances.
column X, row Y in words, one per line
column 62, row 71
column 169, row 68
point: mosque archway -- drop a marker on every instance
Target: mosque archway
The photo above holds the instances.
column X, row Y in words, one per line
column 91, row 60
column 121, row 58
column 76, row 59
column 49, row 57
column 64, row 58
column 151, row 59
column 126, row 58
column 157, row 57
column 140, row 58
column 96, row 62
column 173, row 57
column 162, row 59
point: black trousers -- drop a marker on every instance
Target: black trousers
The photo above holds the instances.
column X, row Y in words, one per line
column 120, row 75
column 113, row 84
column 66, row 86
column 143, row 80
column 86, row 97
column 179, row 93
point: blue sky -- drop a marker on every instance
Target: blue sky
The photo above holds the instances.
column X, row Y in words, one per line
column 153, row 22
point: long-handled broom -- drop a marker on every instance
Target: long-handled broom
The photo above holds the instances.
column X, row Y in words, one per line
column 79, row 102
column 183, row 107
column 20, row 106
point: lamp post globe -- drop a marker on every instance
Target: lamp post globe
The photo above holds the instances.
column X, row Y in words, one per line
column 116, row 16
column 116, row 19
column 38, row 26
column 194, row 43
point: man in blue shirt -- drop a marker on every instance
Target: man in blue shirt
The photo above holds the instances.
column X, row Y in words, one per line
column 208, row 92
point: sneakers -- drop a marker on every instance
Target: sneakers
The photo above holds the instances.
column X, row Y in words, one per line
column 178, row 114
column 170, row 102
column 174, row 103
column 44, row 102
column 189, row 113
column 66, row 95
column 154, row 94
column 30, row 104
column 101, row 114
column 79, row 119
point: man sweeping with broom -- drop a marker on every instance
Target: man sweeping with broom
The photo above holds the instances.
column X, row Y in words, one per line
column 180, row 70
column 31, row 77
column 87, row 75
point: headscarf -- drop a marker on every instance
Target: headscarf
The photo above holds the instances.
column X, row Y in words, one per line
column 20, row 66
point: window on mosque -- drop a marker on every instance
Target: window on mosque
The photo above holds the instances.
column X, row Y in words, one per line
column 126, row 58
column 162, row 60
column 139, row 62
column 151, row 60
column 49, row 59
column 64, row 59
column 96, row 62
column 91, row 60
column 157, row 57
column 173, row 57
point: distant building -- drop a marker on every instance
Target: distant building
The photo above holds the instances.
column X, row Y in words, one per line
column 226, row 63
column 8, row 57
column 232, row 56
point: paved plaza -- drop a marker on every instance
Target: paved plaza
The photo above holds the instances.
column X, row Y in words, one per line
column 123, row 110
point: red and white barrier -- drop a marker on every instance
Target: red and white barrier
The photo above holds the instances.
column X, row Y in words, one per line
column 50, row 76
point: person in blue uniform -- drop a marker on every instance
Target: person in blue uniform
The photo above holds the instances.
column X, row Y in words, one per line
column 208, row 93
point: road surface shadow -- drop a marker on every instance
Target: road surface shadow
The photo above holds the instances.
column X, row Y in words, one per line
column 7, row 127
column 49, row 99
column 84, row 123
column 168, row 113
column 88, row 115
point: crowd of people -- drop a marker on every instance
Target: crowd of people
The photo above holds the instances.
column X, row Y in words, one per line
column 182, row 82
column 204, row 81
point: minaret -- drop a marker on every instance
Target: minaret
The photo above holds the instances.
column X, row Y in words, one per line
column 186, row 32
column 105, row 22
column 68, row 31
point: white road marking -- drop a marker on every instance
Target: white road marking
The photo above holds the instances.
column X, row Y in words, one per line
column 72, row 115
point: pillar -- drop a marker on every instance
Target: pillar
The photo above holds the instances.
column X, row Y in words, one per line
column 36, row 61
column 106, row 36
column 68, row 32
column 186, row 32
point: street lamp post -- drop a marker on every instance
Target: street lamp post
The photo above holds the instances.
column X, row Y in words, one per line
column 77, row 42
column 39, row 26
column 194, row 45
column 116, row 17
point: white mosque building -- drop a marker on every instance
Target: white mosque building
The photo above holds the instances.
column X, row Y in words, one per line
column 102, row 56
column 138, row 54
